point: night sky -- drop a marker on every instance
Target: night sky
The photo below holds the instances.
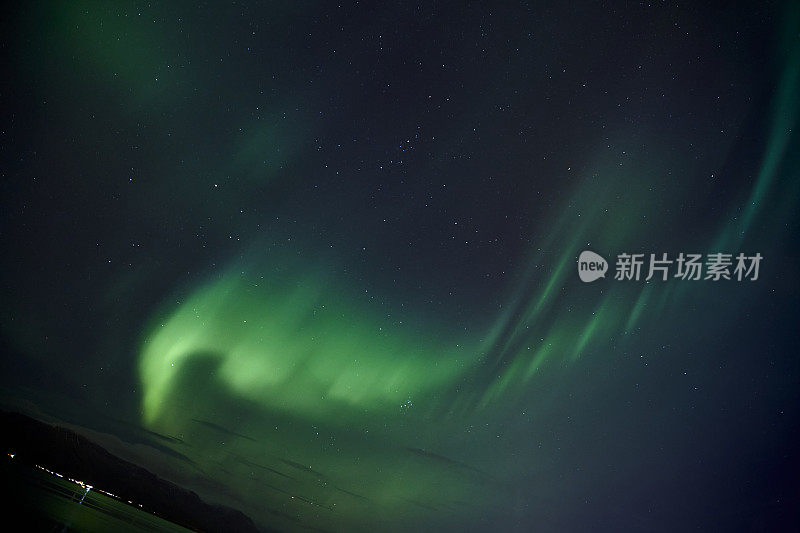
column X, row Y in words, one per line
column 318, row 261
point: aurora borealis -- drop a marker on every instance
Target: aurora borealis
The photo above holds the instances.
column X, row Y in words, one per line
column 317, row 261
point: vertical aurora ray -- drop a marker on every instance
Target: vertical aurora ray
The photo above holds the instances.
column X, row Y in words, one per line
column 783, row 123
column 521, row 328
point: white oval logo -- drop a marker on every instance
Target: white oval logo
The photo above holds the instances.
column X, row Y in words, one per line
column 591, row 266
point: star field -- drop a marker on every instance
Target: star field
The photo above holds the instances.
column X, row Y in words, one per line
column 317, row 261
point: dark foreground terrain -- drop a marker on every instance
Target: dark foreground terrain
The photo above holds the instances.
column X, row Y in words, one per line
column 44, row 501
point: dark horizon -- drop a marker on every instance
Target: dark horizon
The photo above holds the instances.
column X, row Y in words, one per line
column 67, row 455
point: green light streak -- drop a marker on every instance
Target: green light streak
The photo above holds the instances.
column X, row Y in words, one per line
column 299, row 345
column 784, row 119
column 638, row 307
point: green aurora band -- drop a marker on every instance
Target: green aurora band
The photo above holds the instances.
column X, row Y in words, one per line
column 295, row 344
